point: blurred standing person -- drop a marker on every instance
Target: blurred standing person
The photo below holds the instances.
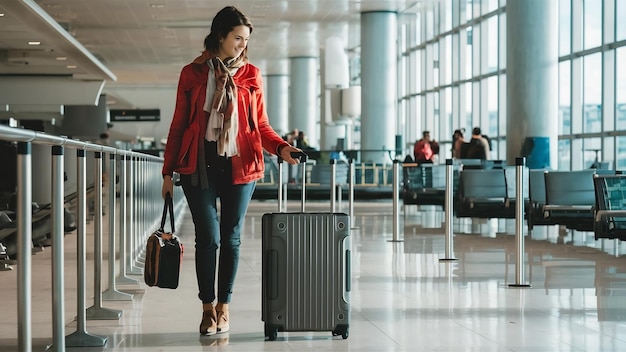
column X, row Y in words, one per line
column 216, row 140
column 422, row 151
column 478, row 146
column 457, row 143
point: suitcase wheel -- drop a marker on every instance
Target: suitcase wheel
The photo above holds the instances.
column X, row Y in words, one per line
column 271, row 332
column 341, row 330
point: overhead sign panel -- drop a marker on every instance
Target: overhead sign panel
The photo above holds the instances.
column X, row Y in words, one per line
column 135, row 115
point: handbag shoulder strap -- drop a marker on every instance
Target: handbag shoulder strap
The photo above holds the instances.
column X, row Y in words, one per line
column 168, row 207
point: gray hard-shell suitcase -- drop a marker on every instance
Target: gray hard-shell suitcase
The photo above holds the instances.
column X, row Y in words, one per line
column 306, row 271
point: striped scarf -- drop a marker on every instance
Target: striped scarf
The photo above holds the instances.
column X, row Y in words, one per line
column 222, row 126
column 223, row 118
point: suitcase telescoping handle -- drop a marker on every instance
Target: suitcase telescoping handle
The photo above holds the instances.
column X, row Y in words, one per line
column 296, row 155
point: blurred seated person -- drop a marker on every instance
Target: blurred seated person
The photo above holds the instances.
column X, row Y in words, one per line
column 302, row 141
column 422, row 150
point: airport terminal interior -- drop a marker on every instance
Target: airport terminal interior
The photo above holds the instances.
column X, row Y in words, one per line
column 518, row 249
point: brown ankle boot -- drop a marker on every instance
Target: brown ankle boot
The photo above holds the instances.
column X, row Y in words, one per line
column 208, row 326
column 222, row 317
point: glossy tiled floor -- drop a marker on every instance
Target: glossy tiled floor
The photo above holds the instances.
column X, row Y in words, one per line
column 403, row 297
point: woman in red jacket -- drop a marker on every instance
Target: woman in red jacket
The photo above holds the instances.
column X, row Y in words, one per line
column 216, row 141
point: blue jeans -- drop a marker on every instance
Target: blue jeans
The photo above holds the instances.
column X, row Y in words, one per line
column 213, row 233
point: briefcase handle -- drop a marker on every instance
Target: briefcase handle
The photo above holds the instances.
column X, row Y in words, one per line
column 168, row 206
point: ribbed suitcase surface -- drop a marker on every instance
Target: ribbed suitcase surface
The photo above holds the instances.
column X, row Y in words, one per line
column 306, row 272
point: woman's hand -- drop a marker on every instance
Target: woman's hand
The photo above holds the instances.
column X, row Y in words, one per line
column 285, row 154
column 168, row 186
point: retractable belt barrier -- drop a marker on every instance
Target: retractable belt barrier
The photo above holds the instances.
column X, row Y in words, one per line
column 139, row 173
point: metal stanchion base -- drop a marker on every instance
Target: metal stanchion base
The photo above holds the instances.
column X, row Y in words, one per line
column 133, row 291
column 99, row 313
column 84, row 339
column 125, row 280
column 133, row 270
column 447, row 259
column 115, row 295
column 519, row 285
column 5, row 267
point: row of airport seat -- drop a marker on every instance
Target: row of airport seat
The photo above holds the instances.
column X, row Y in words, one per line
column 569, row 198
column 40, row 231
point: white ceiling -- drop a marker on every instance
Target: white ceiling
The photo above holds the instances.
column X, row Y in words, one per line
column 135, row 43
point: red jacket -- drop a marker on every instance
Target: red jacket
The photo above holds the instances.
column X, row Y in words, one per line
column 422, row 151
column 255, row 132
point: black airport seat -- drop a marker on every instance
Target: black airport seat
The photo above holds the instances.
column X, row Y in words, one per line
column 425, row 184
column 570, row 199
column 483, row 194
column 610, row 207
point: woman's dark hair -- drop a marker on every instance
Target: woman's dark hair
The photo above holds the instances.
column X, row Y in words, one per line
column 223, row 23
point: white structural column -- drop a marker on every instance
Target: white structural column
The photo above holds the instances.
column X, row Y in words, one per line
column 378, row 83
column 303, row 96
column 532, row 82
column 277, row 101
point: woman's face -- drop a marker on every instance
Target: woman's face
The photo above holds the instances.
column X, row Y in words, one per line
column 232, row 46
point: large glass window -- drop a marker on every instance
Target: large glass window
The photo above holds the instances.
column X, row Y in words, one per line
column 592, row 152
column 446, row 61
column 468, row 99
column 418, row 29
column 593, row 23
column 620, row 94
column 463, row 9
column 447, row 110
column 469, row 9
column 492, row 106
column 621, row 153
column 592, row 90
column 565, row 28
column 620, row 14
column 430, row 20
column 451, row 65
column 564, row 154
column 435, row 64
column 466, row 110
column 490, row 6
column 492, row 46
column 565, row 105
column 468, row 52
column 416, row 57
column 492, row 110
column 447, row 15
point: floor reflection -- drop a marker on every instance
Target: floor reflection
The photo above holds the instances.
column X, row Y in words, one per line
column 562, row 262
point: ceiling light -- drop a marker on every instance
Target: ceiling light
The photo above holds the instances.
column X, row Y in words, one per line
column 61, row 58
column 1, row 15
column 71, row 66
column 34, row 43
